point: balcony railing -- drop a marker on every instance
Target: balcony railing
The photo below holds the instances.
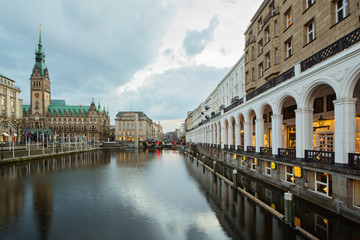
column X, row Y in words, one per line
column 287, row 153
column 240, row 148
column 272, row 13
column 354, row 160
column 234, row 104
column 232, row 147
column 216, row 115
column 334, row 48
column 320, row 156
column 266, row 150
column 251, row 149
column 272, row 83
column 226, row 146
column 249, row 41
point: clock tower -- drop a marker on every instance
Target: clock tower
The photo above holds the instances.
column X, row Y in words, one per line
column 40, row 97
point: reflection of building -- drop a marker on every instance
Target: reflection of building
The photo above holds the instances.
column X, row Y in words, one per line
column 46, row 113
column 301, row 65
column 10, row 107
column 125, row 127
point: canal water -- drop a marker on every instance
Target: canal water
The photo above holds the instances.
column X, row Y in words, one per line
column 113, row 194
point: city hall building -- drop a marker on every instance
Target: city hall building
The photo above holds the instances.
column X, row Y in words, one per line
column 292, row 103
column 46, row 114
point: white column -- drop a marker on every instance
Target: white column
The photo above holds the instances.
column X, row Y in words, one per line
column 247, row 135
column 218, row 135
column 259, row 124
column 223, row 135
column 304, row 131
column 230, row 135
column 344, row 129
column 277, row 138
column 237, row 135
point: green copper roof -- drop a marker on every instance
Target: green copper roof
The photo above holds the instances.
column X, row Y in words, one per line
column 141, row 114
column 40, row 57
column 60, row 106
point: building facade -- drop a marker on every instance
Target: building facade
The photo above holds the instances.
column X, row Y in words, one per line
column 10, row 108
column 302, row 70
column 126, row 124
column 90, row 121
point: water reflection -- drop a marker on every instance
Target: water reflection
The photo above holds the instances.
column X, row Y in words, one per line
column 316, row 220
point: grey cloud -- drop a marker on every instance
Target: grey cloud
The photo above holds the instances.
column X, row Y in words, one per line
column 195, row 41
column 171, row 94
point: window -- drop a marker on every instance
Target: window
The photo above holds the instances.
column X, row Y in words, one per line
column 253, row 75
column 318, row 105
column 310, row 32
column 252, row 53
column 253, row 163
column 356, row 193
column 247, row 77
column 341, row 10
column 276, row 29
column 267, row 32
column 267, row 168
column 260, row 47
column 247, row 56
column 3, row 113
column 260, row 24
column 288, row 18
column 287, row 174
column 320, row 182
column 267, row 57
column 261, row 70
column 276, row 56
column 326, row 142
column 309, row 3
column 288, row 47
column 330, row 102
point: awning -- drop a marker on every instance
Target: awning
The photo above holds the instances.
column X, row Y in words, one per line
column 5, row 134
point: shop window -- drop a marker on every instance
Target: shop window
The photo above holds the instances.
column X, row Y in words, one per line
column 291, row 130
column 357, row 193
column 320, row 183
column 330, row 102
column 319, row 105
column 267, row 168
column 326, row 142
column 289, row 112
column 287, row 174
column 253, row 163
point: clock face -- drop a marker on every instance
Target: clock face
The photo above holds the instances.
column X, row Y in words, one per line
column 37, row 95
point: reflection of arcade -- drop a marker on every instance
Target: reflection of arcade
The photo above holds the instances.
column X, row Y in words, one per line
column 11, row 201
column 253, row 221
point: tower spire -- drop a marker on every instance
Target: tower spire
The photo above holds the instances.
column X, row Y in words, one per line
column 40, row 57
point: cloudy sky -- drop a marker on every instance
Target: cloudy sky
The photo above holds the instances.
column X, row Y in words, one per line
column 162, row 57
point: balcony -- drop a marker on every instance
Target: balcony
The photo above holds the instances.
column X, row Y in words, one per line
column 234, row 104
column 249, row 41
column 287, row 153
column 240, row 148
column 334, row 48
column 272, row 83
column 272, row 13
column 320, row 156
column 251, row 149
column 265, row 150
column 354, row 160
column 232, row 147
